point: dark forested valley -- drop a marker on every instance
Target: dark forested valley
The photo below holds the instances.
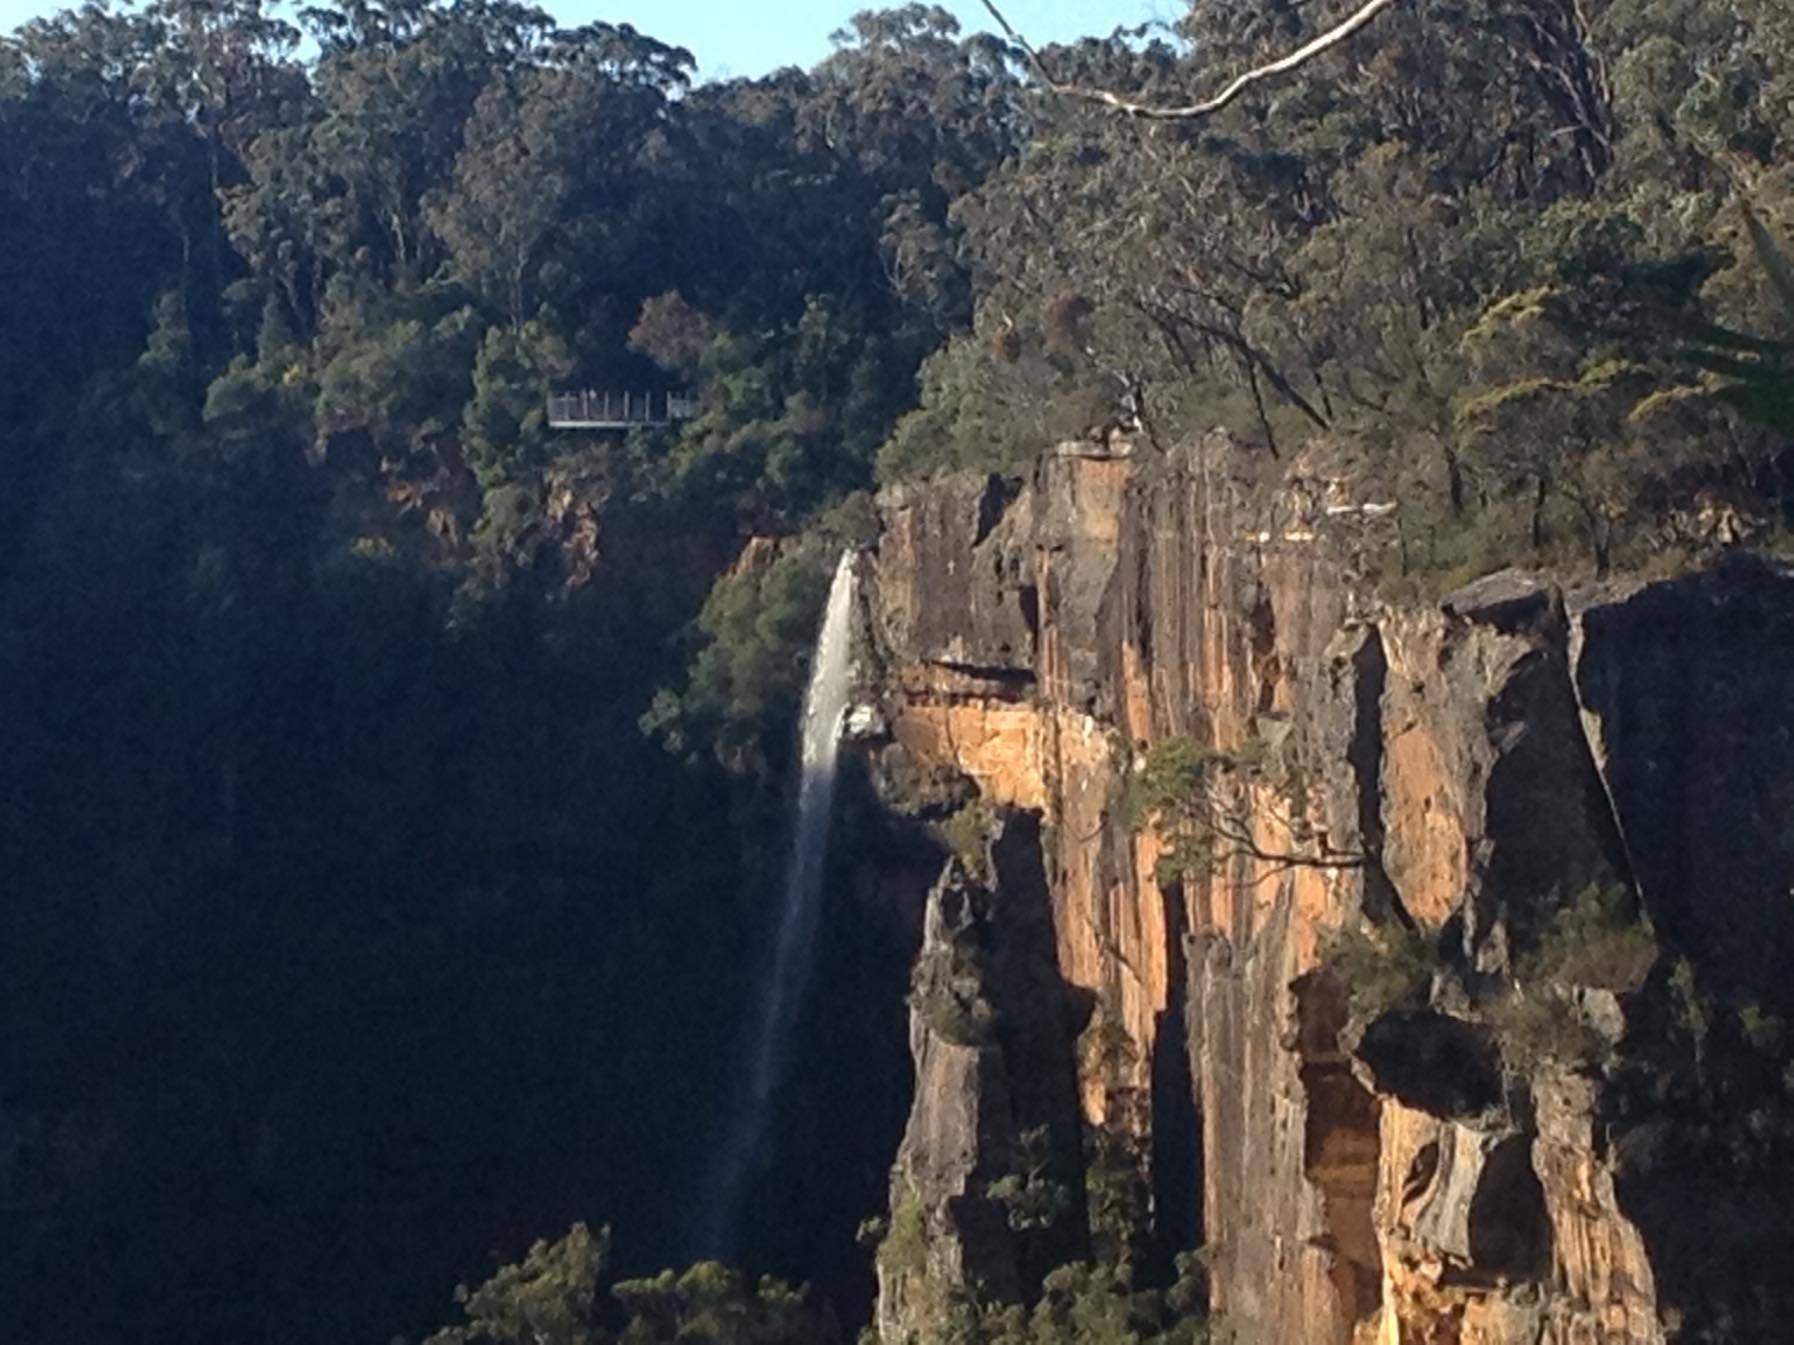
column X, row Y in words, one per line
column 392, row 784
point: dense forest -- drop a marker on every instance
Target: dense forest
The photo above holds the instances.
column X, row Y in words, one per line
column 391, row 781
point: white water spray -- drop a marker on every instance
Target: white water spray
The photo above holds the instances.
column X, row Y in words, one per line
column 794, row 952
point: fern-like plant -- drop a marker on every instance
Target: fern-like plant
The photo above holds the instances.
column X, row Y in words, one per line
column 1759, row 369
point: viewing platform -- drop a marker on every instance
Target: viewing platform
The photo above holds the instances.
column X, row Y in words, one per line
column 590, row 410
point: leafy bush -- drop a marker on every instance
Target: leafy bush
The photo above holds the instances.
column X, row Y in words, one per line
column 1690, row 1006
column 552, row 1298
column 546, row 1299
column 746, row 682
column 904, row 1250
column 1384, row 968
column 712, row 1304
column 992, row 410
column 968, row 834
column 1104, row 1048
column 753, row 640
column 1098, row 1304
column 1177, row 788
column 1601, row 940
column 1033, row 1200
column 956, row 1019
column 1539, row 1026
column 1117, row 1194
column 1758, row 370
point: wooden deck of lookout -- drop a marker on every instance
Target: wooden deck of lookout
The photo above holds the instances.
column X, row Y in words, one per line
column 590, row 410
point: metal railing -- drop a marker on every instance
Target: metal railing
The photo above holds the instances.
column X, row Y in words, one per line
column 589, row 410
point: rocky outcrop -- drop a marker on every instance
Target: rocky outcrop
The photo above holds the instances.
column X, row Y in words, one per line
column 1453, row 770
column 990, row 1034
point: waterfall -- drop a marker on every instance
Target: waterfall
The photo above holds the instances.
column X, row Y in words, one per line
column 794, row 951
column 825, row 704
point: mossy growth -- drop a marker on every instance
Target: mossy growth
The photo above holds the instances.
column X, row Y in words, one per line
column 1765, row 1032
column 904, row 1250
column 968, row 834
column 1690, row 1007
column 956, row 1019
column 1384, row 967
column 947, row 991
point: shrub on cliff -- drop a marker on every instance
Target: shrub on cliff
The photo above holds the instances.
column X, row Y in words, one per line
column 1758, row 370
column 1384, row 968
column 548, row 1298
column 553, row 1297
column 1032, row 1200
column 713, row 1304
column 968, row 835
column 1098, row 1304
column 1599, row 941
column 1183, row 788
column 1541, row 1026
column 747, row 679
column 903, row 1250
column 1117, row 1194
column 751, row 647
column 952, row 1002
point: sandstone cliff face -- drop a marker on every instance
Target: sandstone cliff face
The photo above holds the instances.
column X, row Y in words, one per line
column 994, row 1090
column 1455, row 768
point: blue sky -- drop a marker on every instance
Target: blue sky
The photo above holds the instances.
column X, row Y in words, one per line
column 750, row 37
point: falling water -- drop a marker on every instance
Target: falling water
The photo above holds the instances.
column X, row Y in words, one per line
column 825, row 705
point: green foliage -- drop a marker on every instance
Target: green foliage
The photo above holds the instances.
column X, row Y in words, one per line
column 904, row 1249
column 1180, row 788
column 1033, row 1200
column 546, row 1299
column 711, row 1304
column 954, row 1014
column 506, row 434
column 1098, row 1304
column 1105, row 1049
column 1539, row 1026
column 1691, row 1008
column 1601, row 939
column 1117, row 1195
column 753, row 641
column 1385, row 967
column 398, row 372
column 1765, row 1032
column 968, row 833
column 553, row 1297
column 1477, row 334
column 758, row 626
column 1758, row 370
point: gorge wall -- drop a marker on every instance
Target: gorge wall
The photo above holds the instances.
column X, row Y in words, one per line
column 1454, row 771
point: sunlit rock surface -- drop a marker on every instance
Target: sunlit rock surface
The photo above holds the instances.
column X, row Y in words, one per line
column 1452, row 764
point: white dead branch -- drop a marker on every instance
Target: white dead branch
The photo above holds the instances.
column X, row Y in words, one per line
column 1208, row 106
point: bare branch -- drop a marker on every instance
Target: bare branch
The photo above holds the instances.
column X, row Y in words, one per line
column 1191, row 111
